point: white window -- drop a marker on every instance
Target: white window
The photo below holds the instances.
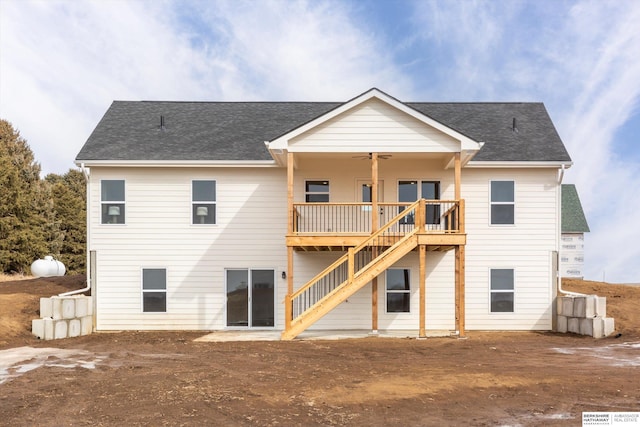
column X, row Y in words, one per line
column 203, row 202
column 502, row 290
column 502, row 202
column 316, row 191
column 398, row 290
column 112, row 199
column 154, row 290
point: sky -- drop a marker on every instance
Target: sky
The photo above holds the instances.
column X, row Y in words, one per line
column 63, row 62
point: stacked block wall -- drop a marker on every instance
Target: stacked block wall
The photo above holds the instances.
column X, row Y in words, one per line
column 584, row 315
column 63, row 317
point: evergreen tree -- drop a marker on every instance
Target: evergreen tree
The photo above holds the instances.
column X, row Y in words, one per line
column 25, row 204
column 68, row 194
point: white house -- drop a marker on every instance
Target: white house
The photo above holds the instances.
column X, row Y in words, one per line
column 574, row 225
column 371, row 214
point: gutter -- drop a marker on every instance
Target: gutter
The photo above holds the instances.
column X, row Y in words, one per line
column 85, row 172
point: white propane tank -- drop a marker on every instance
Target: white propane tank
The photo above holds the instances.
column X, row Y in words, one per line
column 47, row 267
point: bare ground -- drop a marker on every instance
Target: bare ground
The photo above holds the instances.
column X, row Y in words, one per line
column 165, row 378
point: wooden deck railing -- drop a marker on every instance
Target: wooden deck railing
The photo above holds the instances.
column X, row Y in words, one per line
column 357, row 260
column 441, row 216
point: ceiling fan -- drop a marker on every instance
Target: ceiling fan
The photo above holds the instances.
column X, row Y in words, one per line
column 368, row 156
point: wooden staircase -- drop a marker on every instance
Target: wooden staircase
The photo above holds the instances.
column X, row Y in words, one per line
column 354, row 270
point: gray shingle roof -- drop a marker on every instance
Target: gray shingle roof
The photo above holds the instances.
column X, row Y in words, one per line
column 130, row 130
column 573, row 218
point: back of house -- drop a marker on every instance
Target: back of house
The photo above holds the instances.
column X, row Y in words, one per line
column 371, row 214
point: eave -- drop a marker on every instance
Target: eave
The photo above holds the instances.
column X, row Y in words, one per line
column 178, row 163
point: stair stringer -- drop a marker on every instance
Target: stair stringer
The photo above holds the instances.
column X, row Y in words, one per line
column 347, row 289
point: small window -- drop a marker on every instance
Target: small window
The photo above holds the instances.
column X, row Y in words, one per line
column 502, row 202
column 154, row 290
column 316, row 191
column 502, row 290
column 398, row 290
column 203, row 202
column 112, row 198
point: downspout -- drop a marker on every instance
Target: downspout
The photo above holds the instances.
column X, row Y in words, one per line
column 558, row 278
column 88, row 267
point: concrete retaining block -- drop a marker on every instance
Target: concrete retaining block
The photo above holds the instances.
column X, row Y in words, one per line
column 56, row 308
column 601, row 306
column 42, row 328
column 562, row 324
column 567, row 306
column 86, row 325
column 82, row 306
column 579, row 306
column 608, row 326
column 46, row 308
column 37, row 328
column 68, row 308
column 63, row 317
column 60, row 329
column 74, row 328
column 587, row 325
column 573, row 325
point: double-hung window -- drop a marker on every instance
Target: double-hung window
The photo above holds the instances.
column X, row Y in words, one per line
column 502, row 203
column 154, row 290
column 203, row 202
column 502, row 290
column 112, row 201
column 398, row 290
column 316, row 191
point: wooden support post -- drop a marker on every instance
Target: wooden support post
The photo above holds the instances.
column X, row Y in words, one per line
column 460, row 273
column 423, row 295
column 288, row 308
column 374, row 193
column 290, row 214
column 374, row 305
column 375, row 224
column 462, row 291
column 457, row 176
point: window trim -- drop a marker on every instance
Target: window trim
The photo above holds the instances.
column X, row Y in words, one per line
column 165, row 290
column 213, row 203
column 114, row 202
column 502, row 291
column 387, row 291
column 492, row 203
column 314, row 193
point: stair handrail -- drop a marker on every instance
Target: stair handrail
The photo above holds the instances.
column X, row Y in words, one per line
column 342, row 259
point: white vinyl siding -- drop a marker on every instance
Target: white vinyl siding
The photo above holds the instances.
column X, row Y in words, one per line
column 251, row 224
column 374, row 126
column 526, row 247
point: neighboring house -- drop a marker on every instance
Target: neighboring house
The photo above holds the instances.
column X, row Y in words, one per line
column 371, row 214
column 574, row 225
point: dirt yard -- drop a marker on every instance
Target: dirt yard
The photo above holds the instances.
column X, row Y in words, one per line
column 155, row 379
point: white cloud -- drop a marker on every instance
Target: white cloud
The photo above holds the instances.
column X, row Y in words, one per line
column 583, row 60
column 63, row 62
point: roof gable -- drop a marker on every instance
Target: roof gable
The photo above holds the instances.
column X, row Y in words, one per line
column 367, row 98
